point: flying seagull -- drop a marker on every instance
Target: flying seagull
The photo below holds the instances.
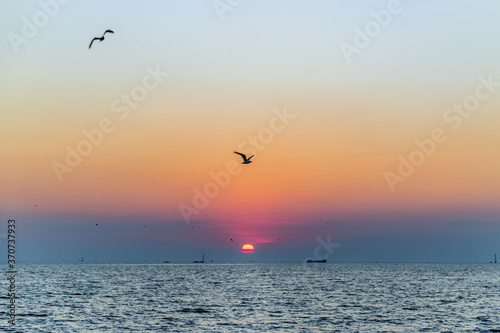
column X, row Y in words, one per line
column 100, row 39
column 245, row 159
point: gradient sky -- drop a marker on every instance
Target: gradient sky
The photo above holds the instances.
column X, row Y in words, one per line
column 228, row 74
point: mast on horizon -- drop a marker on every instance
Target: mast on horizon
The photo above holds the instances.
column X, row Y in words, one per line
column 200, row 262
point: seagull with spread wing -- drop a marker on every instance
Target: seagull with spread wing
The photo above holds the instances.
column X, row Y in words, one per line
column 245, row 159
column 100, row 39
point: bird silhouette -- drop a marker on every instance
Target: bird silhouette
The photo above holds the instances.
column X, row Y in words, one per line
column 231, row 239
column 245, row 159
column 100, row 39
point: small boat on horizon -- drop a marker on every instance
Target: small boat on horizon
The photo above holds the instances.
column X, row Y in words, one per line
column 200, row 262
column 324, row 260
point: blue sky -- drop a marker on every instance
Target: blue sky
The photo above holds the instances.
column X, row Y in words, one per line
column 353, row 117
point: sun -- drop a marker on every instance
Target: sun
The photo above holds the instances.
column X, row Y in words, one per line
column 247, row 248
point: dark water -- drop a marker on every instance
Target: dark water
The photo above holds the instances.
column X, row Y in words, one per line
column 280, row 297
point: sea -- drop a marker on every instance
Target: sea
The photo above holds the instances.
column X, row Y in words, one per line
column 253, row 297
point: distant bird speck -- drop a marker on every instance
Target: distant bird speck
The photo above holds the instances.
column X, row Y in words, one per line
column 231, row 239
column 100, row 39
column 245, row 159
column 96, row 224
column 36, row 205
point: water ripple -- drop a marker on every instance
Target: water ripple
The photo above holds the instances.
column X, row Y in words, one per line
column 257, row 298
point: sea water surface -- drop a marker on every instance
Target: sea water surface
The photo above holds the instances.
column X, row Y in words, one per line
column 255, row 297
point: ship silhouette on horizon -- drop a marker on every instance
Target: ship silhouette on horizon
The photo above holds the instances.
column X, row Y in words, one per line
column 200, row 262
column 310, row 260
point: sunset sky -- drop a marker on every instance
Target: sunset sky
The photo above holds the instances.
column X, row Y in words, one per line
column 375, row 127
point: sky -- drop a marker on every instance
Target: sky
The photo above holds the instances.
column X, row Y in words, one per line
column 375, row 127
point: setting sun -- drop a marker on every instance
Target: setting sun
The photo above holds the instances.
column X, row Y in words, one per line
column 247, row 248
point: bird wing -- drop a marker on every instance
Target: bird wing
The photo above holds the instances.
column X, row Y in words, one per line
column 242, row 155
column 250, row 157
column 92, row 41
column 110, row 31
